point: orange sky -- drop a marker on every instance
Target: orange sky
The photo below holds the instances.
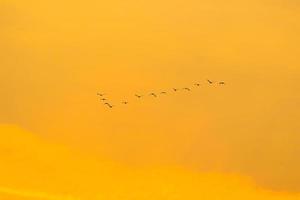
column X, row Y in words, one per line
column 55, row 57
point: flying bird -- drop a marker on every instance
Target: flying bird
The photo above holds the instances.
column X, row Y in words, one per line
column 197, row 84
column 163, row 93
column 125, row 102
column 175, row 89
column 109, row 105
column 138, row 96
column 209, row 81
column 100, row 94
column 103, row 99
column 153, row 94
column 222, row 83
column 188, row 89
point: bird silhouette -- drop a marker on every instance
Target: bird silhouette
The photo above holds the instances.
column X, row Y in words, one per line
column 100, row 94
column 138, row 96
column 109, row 105
column 153, row 94
column 209, row 81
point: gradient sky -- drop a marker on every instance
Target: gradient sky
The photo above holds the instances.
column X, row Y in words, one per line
column 55, row 57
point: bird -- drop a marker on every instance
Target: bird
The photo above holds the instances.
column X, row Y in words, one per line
column 153, row 94
column 175, row 89
column 163, row 93
column 103, row 99
column 197, row 84
column 125, row 102
column 209, row 81
column 100, row 94
column 222, row 83
column 138, row 96
column 188, row 89
column 109, row 105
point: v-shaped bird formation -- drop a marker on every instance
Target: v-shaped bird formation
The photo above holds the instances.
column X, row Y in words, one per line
column 108, row 104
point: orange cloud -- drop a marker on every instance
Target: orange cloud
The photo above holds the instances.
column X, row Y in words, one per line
column 10, row 193
column 32, row 168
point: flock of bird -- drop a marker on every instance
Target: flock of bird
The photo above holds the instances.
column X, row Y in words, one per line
column 106, row 102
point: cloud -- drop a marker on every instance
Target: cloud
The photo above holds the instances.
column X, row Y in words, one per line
column 33, row 168
column 13, row 193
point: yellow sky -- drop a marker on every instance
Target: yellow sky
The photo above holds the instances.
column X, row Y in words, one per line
column 55, row 57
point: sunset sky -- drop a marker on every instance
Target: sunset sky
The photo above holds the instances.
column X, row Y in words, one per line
column 231, row 142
